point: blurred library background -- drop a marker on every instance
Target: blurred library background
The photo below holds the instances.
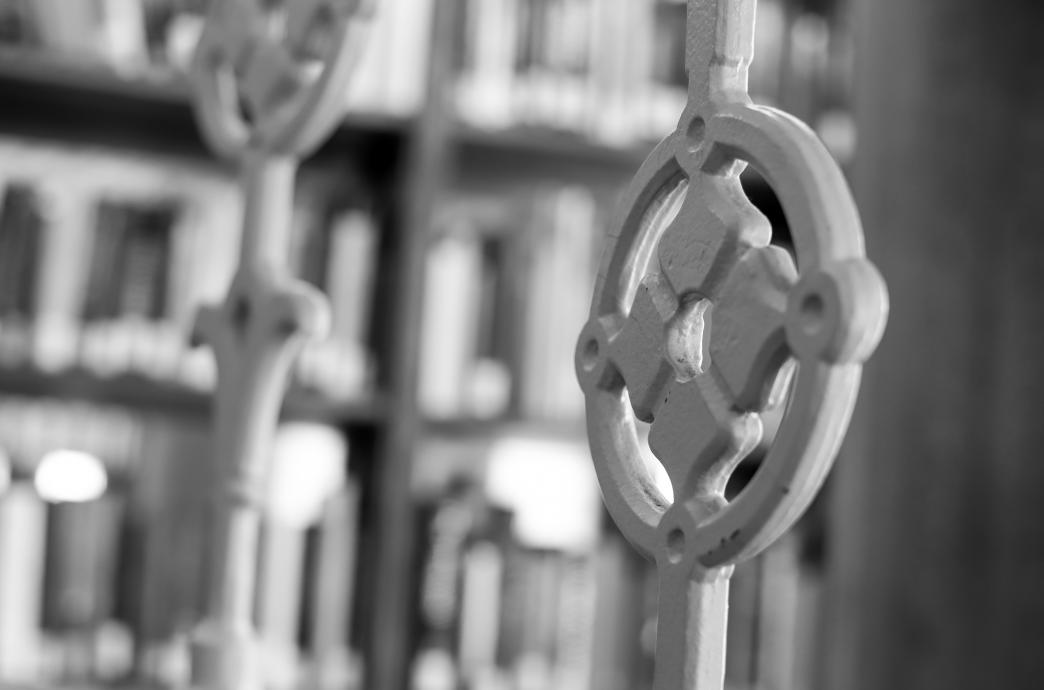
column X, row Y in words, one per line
column 433, row 522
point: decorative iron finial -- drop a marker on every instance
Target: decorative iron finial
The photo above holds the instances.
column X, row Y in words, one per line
column 693, row 327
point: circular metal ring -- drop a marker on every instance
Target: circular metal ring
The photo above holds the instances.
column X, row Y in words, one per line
column 235, row 42
column 834, row 318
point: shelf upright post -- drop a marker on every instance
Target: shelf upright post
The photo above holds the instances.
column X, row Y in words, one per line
column 428, row 162
column 267, row 91
column 696, row 317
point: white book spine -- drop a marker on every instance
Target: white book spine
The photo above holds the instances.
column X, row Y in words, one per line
column 494, row 71
column 350, row 274
column 480, row 608
column 334, row 665
column 23, row 520
column 406, row 70
column 449, row 324
column 122, row 37
column 61, row 280
column 279, row 601
column 365, row 89
column 575, row 229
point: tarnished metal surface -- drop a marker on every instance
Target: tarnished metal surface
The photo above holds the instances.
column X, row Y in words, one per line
column 698, row 326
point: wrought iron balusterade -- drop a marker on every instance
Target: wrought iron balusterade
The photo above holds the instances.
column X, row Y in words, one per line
column 698, row 325
column 269, row 86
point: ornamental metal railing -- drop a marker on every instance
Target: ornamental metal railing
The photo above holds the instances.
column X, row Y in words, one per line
column 699, row 325
column 269, row 87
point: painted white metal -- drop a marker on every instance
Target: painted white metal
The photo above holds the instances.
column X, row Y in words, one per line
column 268, row 90
column 696, row 326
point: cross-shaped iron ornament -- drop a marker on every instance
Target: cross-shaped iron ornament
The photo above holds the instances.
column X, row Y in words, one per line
column 698, row 325
column 269, row 79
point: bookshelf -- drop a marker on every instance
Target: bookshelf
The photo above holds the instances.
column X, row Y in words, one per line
column 409, row 168
column 137, row 391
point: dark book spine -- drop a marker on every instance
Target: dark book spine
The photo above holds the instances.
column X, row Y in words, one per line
column 106, row 263
column 147, row 259
column 21, row 225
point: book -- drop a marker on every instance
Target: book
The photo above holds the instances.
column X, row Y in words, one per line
column 616, row 648
column 480, row 609
column 449, row 323
column 575, row 629
column 23, row 528
column 22, row 225
column 350, row 272
column 297, row 500
column 334, row 663
column 337, row 252
column 172, row 462
column 109, row 30
column 612, row 70
column 564, row 232
column 146, row 262
column 406, row 56
column 279, row 600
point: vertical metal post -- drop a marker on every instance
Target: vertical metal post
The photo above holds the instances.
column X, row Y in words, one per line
column 695, row 317
column 267, row 316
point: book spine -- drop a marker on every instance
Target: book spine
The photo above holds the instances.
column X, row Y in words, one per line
column 449, row 323
column 480, row 610
column 68, row 27
column 576, row 619
column 279, row 601
column 334, row 590
column 62, row 279
column 618, row 617
column 406, row 71
column 122, row 38
column 23, row 518
column 350, row 274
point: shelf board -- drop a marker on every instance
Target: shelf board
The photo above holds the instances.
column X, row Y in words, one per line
column 55, row 96
column 521, row 153
column 547, row 141
column 471, row 427
column 152, row 396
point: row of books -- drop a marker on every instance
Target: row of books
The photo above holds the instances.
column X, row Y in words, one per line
column 523, row 584
column 159, row 36
column 615, row 69
column 509, row 280
column 610, row 69
column 105, row 259
column 106, row 586
column 506, row 594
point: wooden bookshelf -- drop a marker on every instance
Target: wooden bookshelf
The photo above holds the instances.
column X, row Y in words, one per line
column 139, row 392
column 535, row 153
column 145, row 109
column 468, row 427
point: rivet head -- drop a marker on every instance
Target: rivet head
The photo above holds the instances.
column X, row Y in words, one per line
column 837, row 313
